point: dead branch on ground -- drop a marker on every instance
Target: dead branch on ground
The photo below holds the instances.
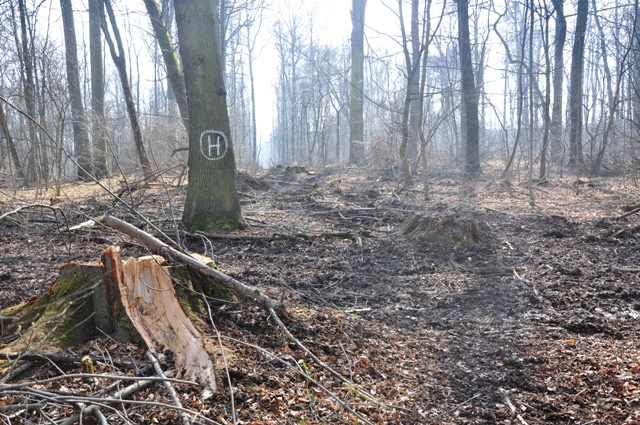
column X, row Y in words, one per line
column 160, row 248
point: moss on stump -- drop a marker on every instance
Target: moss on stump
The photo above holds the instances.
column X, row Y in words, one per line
column 444, row 230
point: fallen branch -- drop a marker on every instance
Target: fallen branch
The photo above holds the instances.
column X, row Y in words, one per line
column 59, row 358
column 628, row 213
column 158, row 247
column 277, row 236
column 17, row 371
column 119, row 398
column 168, row 386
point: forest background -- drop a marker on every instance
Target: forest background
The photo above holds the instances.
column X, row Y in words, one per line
column 287, row 72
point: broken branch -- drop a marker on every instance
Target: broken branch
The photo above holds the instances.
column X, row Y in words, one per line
column 161, row 248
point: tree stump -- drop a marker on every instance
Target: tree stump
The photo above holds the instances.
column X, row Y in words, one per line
column 445, row 230
column 133, row 301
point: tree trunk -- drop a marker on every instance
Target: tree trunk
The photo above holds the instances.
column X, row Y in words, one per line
column 254, row 123
column 28, row 88
column 11, row 147
column 356, row 113
column 80, row 135
column 469, row 95
column 558, row 76
column 416, row 52
column 119, row 61
column 98, row 121
column 635, row 81
column 212, row 198
column 613, row 95
column 174, row 69
column 411, row 66
column 545, row 102
column 575, row 94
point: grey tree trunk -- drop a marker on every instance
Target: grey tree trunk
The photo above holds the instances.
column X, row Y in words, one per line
column 416, row 53
column 98, row 127
column 469, row 95
column 558, row 76
column 119, row 61
column 174, row 69
column 546, row 102
column 636, row 73
column 11, row 147
column 80, row 134
column 575, row 93
column 356, row 113
column 212, row 201
column 28, row 87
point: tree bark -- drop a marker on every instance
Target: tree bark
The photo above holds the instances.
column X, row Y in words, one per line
column 558, row 76
column 635, row 81
column 575, row 95
column 416, row 53
column 356, row 113
column 11, row 147
column 28, row 87
column 80, row 135
column 411, row 65
column 119, row 61
column 169, row 54
column 469, row 95
column 546, row 101
column 212, row 198
column 98, row 122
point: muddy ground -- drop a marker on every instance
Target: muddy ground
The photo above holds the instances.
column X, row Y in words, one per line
column 534, row 322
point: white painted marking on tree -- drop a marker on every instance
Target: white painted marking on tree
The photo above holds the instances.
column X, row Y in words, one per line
column 213, row 145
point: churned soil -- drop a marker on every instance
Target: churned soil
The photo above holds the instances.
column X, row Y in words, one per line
column 532, row 320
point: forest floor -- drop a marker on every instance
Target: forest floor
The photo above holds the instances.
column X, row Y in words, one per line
column 534, row 322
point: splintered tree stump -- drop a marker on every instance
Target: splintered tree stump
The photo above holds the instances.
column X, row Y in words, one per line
column 446, row 230
column 132, row 301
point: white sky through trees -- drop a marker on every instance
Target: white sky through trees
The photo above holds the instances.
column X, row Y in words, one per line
column 330, row 22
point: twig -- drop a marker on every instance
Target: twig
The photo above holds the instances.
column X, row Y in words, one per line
column 150, row 379
column 627, row 214
column 16, row 371
column 328, row 368
column 509, row 404
column 224, row 360
column 118, row 398
column 346, row 356
column 168, row 386
column 344, row 405
column 275, row 236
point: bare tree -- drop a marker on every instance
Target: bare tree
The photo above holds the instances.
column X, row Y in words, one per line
column 576, row 103
column 212, row 201
column 98, row 127
column 11, row 147
column 169, row 54
column 356, row 119
column 117, row 55
column 80, row 134
column 469, row 95
column 558, row 76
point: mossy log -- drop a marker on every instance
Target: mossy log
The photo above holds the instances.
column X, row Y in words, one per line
column 132, row 301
